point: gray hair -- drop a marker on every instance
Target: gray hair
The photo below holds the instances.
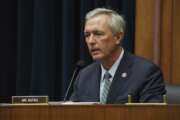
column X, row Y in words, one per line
column 117, row 22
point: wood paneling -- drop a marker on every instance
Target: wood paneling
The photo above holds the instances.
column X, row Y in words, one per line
column 176, row 42
column 144, row 28
column 157, row 35
column 90, row 112
column 166, row 40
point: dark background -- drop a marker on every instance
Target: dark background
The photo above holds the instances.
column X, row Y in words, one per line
column 41, row 41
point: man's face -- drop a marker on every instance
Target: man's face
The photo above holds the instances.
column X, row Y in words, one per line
column 101, row 42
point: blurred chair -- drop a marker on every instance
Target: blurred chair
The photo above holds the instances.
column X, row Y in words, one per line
column 173, row 94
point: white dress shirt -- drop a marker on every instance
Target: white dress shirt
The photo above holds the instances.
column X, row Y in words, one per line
column 112, row 70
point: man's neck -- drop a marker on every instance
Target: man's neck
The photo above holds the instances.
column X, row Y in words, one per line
column 107, row 63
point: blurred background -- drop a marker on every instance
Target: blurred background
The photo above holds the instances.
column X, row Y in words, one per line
column 42, row 40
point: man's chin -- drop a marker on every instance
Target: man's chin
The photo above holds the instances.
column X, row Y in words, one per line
column 96, row 58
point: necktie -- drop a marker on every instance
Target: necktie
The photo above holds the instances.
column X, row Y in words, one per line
column 107, row 83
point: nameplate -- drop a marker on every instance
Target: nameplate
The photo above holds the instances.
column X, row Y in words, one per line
column 29, row 99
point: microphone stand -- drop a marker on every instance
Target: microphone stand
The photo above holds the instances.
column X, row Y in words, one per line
column 69, row 89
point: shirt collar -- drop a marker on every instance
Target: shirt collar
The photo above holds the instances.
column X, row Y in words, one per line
column 114, row 67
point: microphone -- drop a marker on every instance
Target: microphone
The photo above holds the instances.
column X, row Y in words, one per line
column 80, row 64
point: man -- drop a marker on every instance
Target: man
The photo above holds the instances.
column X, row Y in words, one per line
column 115, row 74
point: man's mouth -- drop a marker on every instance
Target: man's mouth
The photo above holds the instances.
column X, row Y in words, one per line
column 94, row 51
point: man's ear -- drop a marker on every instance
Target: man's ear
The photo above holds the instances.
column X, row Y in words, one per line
column 118, row 37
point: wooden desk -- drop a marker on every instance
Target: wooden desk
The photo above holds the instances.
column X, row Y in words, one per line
column 89, row 112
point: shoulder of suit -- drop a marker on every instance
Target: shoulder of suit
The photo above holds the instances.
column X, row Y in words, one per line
column 138, row 61
column 93, row 66
column 141, row 61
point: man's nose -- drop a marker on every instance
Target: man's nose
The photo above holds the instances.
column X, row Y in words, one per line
column 91, row 39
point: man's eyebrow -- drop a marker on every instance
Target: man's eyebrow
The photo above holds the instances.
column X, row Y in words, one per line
column 98, row 31
column 86, row 32
column 94, row 31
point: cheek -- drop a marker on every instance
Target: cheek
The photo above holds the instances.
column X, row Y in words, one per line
column 105, row 47
column 108, row 47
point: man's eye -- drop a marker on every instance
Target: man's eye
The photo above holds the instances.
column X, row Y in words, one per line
column 98, row 33
column 86, row 35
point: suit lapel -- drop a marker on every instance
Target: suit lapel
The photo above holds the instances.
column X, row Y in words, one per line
column 121, row 75
column 95, row 81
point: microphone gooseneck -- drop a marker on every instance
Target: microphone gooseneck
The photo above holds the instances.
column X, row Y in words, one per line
column 80, row 64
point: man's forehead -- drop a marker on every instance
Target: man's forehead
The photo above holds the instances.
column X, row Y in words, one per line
column 98, row 18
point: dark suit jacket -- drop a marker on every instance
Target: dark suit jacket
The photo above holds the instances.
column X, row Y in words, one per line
column 144, row 82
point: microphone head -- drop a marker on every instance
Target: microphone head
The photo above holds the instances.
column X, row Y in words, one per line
column 80, row 64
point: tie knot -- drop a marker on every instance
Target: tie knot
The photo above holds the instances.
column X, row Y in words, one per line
column 107, row 75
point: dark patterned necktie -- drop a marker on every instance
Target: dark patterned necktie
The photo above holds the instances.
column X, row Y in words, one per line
column 106, row 87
